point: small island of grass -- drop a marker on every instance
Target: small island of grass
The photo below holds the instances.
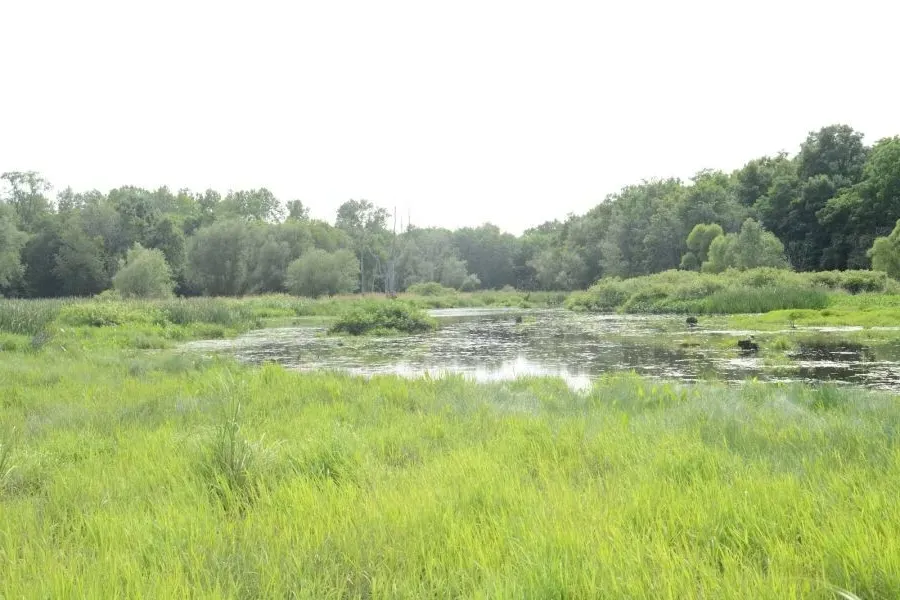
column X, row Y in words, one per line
column 383, row 318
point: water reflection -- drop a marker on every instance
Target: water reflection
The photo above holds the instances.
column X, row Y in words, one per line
column 488, row 345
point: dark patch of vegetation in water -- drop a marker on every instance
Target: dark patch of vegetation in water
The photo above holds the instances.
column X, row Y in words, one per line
column 383, row 318
column 828, row 347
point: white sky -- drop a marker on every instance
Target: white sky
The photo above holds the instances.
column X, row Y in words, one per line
column 461, row 112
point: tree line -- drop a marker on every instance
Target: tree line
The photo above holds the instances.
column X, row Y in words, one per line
column 832, row 206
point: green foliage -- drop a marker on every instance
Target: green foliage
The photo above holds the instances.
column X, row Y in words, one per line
column 755, row 290
column 488, row 254
column 319, row 273
column 80, row 263
column 432, row 288
column 144, row 274
column 250, row 205
column 698, row 242
column 885, row 253
column 753, row 247
column 11, row 243
column 855, row 282
column 383, row 318
column 364, row 224
column 217, row 259
column 26, row 195
column 722, row 254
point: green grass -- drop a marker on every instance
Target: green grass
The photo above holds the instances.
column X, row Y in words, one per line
column 862, row 310
column 132, row 474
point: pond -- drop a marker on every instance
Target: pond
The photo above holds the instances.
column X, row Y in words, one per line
column 490, row 345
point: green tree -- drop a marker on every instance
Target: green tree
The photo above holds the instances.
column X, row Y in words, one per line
column 698, row 243
column 318, row 273
column 11, row 243
column 488, row 253
column 217, row 259
column 165, row 236
column 756, row 247
column 885, row 253
column 711, row 199
column 751, row 248
column 269, row 266
column 721, row 254
column 428, row 254
column 558, row 269
column 250, row 205
column 644, row 228
column 26, row 194
column 755, row 180
column 858, row 215
column 144, row 273
column 39, row 259
column 297, row 211
column 830, row 161
column 664, row 240
column 452, row 272
column 81, row 262
column 836, row 151
column 365, row 224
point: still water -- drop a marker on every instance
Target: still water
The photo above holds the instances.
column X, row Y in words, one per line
column 489, row 345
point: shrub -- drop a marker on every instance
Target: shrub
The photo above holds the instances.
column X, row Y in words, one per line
column 855, row 281
column 379, row 318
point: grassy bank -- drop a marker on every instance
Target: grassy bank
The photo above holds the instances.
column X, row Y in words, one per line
column 128, row 474
column 155, row 324
column 732, row 292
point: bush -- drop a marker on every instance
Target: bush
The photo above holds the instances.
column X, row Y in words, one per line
column 144, row 274
column 380, row 318
column 856, row 281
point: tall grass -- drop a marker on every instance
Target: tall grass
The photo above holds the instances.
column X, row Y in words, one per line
column 28, row 317
column 764, row 299
column 439, row 488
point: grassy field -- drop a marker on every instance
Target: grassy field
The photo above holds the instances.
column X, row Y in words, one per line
column 131, row 474
column 129, row 469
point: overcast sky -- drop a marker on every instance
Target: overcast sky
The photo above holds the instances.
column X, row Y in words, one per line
column 458, row 112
